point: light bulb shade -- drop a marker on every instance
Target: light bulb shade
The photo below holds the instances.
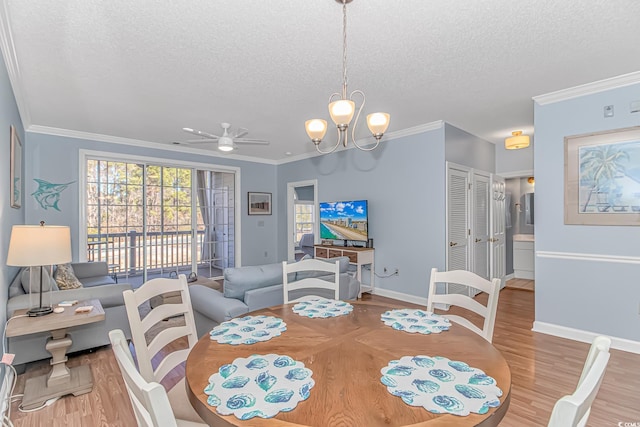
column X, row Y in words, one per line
column 341, row 111
column 316, row 129
column 378, row 123
column 225, row 143
column 518, row 140
column 38, row 245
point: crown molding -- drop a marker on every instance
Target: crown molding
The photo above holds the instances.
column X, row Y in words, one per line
column 588, row 89
column 11, row 62
column 363, row 141
column 68, row 133
column 46, row 130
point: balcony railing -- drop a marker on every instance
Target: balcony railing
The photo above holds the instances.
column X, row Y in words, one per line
column 126, row 252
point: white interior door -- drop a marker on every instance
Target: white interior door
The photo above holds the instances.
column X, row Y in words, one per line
column 458, row 230
column 481, row 226
column 498, row 229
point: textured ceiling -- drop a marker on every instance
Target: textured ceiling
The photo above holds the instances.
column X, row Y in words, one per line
column 145, row 69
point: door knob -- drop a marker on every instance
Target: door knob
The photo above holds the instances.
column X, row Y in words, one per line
column 452, row 243
column 478, row 240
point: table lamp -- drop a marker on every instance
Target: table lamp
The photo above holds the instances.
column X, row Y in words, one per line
column 38, row 246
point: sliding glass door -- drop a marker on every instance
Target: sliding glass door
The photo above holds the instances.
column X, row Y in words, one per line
column 151, row 220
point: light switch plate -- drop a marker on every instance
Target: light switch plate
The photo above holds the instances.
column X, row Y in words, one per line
column 608, row 111
column 634, row 107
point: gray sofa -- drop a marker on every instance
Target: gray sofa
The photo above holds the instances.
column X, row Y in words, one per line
column 97, row 284
column 252, row 288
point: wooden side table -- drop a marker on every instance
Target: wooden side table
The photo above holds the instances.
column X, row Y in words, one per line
column 61, row 380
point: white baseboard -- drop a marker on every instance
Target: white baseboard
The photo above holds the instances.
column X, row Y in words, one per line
column 400, row 296
column 584, row 336
column 509, row 277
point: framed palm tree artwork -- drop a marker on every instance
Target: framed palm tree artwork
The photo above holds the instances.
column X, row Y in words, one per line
column 602, row 178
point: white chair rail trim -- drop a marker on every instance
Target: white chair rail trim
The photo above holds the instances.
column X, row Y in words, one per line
column 589, row 257
column 584, row 336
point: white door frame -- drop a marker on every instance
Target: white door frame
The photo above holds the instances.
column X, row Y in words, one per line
column 291, row 214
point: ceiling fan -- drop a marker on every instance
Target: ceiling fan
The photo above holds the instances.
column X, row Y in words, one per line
column 226, row 142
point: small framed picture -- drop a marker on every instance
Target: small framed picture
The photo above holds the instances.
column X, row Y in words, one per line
column 259, row 203
column 15, row 169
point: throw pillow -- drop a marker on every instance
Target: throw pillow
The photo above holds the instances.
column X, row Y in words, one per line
column 30, row 280
column 66, row 278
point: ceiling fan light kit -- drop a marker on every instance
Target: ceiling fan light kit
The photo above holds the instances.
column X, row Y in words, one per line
column 342, row 108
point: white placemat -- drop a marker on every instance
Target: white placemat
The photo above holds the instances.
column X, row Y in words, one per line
column 415, row 321
column 259, row 386
column 248, row 330
column 322, row 307
column 441, row 385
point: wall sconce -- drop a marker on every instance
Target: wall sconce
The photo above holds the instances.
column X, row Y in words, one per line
column 530, row 180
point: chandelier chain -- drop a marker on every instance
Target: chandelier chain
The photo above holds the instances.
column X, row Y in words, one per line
column 344, row 49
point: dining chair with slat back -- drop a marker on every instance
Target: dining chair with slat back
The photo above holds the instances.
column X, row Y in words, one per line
column 573, row 410
column 149, row 400
column 148, row 352
column 471, row 280
column 307, row 270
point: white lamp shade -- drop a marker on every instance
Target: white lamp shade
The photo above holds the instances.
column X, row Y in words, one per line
column 37, row 245
column 316, row 129
column 378, row 123
column 518, row 140
column 342, row 111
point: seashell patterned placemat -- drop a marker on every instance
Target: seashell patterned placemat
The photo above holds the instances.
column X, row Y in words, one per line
column 259, row 386
column 248, row 330
column 415, row 321
column 441, row 385
column 322, row 307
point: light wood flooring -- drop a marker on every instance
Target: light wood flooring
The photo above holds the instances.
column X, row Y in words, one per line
column 543, row 368
column 523, row 284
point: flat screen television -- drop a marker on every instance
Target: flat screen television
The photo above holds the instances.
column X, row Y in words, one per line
column 347, row 220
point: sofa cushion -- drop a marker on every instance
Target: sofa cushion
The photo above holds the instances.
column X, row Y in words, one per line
column 238, row 280
column 344, row 264
column 66, row 278
column 48, row 284
column 89, row 282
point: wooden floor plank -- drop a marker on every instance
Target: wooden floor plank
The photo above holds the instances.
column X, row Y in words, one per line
column 544, row 368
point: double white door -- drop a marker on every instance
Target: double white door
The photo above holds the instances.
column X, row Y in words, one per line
column 475, row 223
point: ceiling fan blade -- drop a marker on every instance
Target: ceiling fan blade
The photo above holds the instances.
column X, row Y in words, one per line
column 240, row 132
column 200, row 133
column 251, row 141
column 199, row 141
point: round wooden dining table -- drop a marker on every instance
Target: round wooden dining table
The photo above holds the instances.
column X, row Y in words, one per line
column 346, row 354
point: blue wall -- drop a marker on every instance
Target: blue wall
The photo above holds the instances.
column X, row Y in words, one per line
column 468, row 150
column 56, row 159
column 404, row 183
column 8, row 216
column 603, row 295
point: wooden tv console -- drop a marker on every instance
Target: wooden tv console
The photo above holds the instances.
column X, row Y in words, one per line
column 357, row 256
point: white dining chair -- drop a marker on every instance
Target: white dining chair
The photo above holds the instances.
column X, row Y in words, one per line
column 471, row 280
column 573, row 410
column 306, row 272
column 149, row 400
column 163, row 350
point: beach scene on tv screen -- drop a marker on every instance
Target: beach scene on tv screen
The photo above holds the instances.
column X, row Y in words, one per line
column 343, row 220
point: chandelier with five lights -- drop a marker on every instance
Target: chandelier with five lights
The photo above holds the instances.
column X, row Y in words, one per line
column 343, row 108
